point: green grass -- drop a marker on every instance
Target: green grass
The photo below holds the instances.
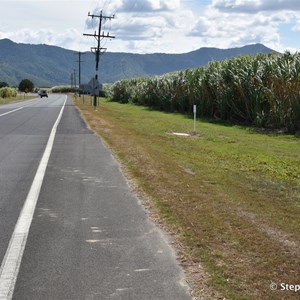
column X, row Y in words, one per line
column 231, row 195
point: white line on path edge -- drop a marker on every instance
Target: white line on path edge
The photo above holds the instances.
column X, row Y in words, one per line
column 12, row 260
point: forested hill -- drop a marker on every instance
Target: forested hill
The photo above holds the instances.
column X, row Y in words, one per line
column 50, row 65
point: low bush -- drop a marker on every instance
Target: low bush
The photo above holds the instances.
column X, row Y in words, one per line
column 63, row 89
column 7, row 92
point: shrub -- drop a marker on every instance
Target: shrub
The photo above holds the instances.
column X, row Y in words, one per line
column 7, row 92
column 26, row 86
column 63, row 89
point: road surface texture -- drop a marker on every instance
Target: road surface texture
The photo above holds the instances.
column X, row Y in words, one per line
column 89, row 237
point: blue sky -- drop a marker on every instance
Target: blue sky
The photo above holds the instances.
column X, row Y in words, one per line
column 148, row 26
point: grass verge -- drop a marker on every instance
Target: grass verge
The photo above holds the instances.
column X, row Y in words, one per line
column 230, row 195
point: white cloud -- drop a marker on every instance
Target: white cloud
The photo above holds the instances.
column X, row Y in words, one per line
column 232, row 23
column 144, row 26
column 255, row 6
column 147, row 25
column 172, row 26
column 67, row 39
column 149, row 5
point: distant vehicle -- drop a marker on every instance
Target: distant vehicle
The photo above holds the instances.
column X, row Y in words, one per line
column 43, row 93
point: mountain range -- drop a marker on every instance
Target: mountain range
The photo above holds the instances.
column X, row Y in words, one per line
column 48, row 65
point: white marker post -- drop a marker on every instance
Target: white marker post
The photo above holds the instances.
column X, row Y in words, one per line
column 195, row 115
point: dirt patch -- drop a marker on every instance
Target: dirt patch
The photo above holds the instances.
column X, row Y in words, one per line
column 275, row 234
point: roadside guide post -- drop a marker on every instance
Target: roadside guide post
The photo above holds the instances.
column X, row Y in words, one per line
column 95, row 89
column 195, row 115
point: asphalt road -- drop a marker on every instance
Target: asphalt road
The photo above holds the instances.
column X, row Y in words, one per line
column 89, row 237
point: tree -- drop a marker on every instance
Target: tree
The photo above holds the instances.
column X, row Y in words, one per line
column 26, row 86
column 3, row 84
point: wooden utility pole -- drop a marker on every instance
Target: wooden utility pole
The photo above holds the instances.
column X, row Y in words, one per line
column 72, row 80
column 79, row 68
column 75, row 81
column 98, row 50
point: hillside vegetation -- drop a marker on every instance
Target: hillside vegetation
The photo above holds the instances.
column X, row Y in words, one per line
column 48, row 65
column 261, row 90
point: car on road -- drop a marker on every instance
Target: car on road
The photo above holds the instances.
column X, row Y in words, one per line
column 43, row 93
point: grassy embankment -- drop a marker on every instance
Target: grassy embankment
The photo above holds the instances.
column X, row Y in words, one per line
column 230, row 195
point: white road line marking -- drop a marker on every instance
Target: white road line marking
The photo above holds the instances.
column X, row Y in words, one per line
column 11, row 263
column 9, row 112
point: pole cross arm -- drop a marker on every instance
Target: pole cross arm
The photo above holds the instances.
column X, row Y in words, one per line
column 107, row 36
column 95, row 49
column 89, row 34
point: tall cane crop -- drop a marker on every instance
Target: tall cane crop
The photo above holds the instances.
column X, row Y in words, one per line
column 261, row 90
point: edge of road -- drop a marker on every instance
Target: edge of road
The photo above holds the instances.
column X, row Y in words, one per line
column 188, row 268
column 13, row 257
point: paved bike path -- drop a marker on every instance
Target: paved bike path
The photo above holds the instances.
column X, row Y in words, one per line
column 90, row 238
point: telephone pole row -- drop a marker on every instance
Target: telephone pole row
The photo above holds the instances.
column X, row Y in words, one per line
column 98, row 50
column 79, row 68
